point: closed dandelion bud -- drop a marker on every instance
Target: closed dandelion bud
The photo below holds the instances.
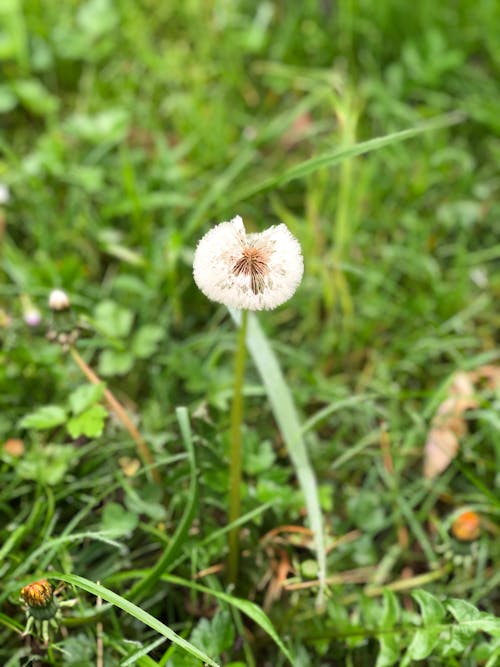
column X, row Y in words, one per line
column 40, row 600
column 58, row 300
column 467, row 526
column 248, row 271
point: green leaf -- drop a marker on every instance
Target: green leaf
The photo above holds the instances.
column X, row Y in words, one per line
column 389, row 652
column 46, row 417
column 392, row 610
column 146, row 340
column 285, row 413
column 89, row 423
column 144, row 503
column 105, row 127
column 35, row 97
column 423, row 642
column 431, row 608
column 365, row 510
column 117, row 520
column 113, row 320
column 115, row 362
column 214, row 636
column 47, row 465
column 85, row 396
column 132, row 610
column 8, row 100
column 462, row 610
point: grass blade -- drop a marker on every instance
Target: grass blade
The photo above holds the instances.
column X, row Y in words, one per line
column 286, row 416
column 132, row 610
column 332, row 158
column 250, row 609
column 175, row 544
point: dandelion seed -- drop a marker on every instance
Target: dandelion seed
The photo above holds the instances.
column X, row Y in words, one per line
column 248, row 271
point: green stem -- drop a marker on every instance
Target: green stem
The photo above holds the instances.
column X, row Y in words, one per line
column 235, row 450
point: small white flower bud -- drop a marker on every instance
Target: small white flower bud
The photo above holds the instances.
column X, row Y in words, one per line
column 248, row 271
column 32, row 317
column 4, row 194
column 58, row 300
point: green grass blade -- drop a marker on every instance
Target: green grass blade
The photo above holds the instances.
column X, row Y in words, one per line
column 250, row 609
column 286, row 416
column 332, row 158
column 132, row 610
column 175, row 544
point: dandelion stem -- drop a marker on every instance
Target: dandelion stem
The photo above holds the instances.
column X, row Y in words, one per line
column 235, row 449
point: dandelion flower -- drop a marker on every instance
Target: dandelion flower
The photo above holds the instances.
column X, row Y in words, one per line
column 248, row 271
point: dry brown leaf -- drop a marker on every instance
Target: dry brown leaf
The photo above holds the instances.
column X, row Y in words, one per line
column 449, row 425
column 14, row 447
column 297, row 131
column 129, row 466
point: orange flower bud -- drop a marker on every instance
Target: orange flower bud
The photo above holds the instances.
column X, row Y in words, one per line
column 37, row 594
column 466, row 526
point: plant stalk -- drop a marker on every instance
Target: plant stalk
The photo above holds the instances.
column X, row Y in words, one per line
column 119, row 411
column 235, row 450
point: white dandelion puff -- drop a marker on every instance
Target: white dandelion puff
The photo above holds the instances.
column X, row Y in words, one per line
column 248, row 271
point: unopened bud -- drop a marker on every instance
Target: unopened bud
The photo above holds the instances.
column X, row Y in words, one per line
column 32, row 317
column 37, row 594
column 58, row 300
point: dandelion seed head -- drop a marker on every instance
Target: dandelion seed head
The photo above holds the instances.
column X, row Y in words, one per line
column 248, row 271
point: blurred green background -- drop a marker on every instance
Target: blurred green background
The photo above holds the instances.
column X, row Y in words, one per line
column 127, row 129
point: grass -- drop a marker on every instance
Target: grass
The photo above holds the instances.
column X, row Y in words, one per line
column 127, row 130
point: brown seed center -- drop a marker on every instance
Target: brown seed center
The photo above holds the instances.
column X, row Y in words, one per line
column 253, row 263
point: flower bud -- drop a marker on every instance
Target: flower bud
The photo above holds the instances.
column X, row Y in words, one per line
column 58, row 300
column 467, row 526
column 32, row 317
column 40, row 600
column 37, row 594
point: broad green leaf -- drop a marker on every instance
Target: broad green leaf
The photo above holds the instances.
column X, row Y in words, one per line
column 47, row 465
column 116, row 520
column 431, row 608
column 115, row 362
column 89, row 423
column 105, row 127
column 146, row 340
column 423, row 642
column 132, row 610
column 462, row 610
column 214, row 636
column 113, row 320
column 85, row 396
column 286, row 416
column 392, row 610
column 46, row 417
column 35, row 97
column 390, row 649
